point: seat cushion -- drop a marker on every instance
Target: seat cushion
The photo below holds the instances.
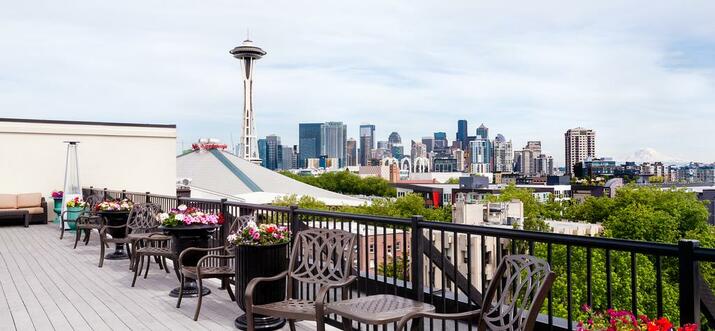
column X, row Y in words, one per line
column 29, row 200
column 33, row 210
column 8, row 201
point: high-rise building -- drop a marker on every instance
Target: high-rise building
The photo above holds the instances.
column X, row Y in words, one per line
column 580, row 144
column 351, row 150
column 534, row 146
column 262, row 151
column 248, row 53
column 288, row 158
column 524, row 162
column 462, row 133
column 544, row 165
column 272, row 151
column 429, row 144
column 397, row 151
column 458, row 155
column 394, row 138
column 418, row 149
column 382, row 144
column 333, row 137
column 479, row 153
column 308, row 142
column 483, row 131
column 503, row 154
column 441, row 144
column 367, row 143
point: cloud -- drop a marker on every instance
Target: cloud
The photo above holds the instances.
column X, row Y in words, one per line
column 638, row 72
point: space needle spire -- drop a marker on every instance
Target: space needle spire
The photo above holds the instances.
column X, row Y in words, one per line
column 248, row 53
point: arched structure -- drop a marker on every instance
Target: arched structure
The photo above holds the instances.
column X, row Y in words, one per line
column 406, row 164
column 421, row 164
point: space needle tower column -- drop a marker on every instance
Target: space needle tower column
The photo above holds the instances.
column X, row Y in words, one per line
column 248, row 53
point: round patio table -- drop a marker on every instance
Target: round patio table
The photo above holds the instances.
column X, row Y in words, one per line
column 114, row 218
column 183, row 237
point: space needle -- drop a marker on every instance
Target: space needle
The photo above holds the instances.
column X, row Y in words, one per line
column 248, row 53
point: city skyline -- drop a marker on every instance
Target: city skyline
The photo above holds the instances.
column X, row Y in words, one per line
column 630, row 76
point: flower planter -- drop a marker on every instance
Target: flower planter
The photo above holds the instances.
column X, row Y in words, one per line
column 183, row 237
column 57, row 207
column 115, row 218
column 260, row 261
column 72, row 215
column 58, row 203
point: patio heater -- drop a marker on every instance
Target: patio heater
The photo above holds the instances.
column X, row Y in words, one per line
column 72, row 188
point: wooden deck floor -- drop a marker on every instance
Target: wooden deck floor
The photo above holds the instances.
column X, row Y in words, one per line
column 46, row 285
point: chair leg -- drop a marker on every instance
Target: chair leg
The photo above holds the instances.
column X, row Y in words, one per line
column 62, row 228
column 134, row 281
column 157, row 259
column 201, row 296
column 347, row 324
column 251, row 325
column 166, row 266
column 230, row 293
column 291, row 325
column 101, row 254
column 181, row 292
column 175, row 263
column 148, row 262
column 87, row 233
column 78, row 234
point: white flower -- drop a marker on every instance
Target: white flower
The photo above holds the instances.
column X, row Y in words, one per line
column 163, row 216
column 251, row 224
column 179, row 217
column 181, row 207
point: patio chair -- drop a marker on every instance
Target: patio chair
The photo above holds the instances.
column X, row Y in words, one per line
column 512, row 300
column 321, row 258
column 90, row 211
column 218, row 263
column 88, row 220
column 141, row 220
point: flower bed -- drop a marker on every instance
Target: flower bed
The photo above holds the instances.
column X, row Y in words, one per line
column 115, row 205
column 188, row 216
column 622, row 320
column 258, row 235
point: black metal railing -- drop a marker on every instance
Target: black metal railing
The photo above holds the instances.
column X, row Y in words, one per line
column 449, row 265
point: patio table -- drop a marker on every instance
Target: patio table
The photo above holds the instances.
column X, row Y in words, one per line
column 377, row 309
column 183, row 237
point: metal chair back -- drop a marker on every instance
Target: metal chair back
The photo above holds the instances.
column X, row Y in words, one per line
column 143, row 218
column 516, row 293
column 321, row 256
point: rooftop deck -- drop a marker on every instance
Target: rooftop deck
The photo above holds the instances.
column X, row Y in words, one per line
column 46, row 285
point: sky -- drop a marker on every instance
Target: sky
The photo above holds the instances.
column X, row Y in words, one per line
column 640, row 73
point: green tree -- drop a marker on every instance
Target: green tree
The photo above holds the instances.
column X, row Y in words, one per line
column 452, row 180
column 532, row 208
column 398, row 268
column 347, row 183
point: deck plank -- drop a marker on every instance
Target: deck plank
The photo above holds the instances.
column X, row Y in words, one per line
column 45, row 285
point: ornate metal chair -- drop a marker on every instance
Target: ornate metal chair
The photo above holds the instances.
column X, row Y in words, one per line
column 319, row 257
column 87, row 212
column 513, row 298
column 89, row 220
column 217, row 263
column 141, row 220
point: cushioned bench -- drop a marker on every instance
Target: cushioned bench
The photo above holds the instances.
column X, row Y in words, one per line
column 16, row 206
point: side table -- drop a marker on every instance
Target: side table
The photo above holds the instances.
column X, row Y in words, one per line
column 376, row 309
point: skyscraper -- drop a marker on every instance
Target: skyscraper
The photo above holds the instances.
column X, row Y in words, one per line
column 367, row 142
column 418, row 149
column 544, row 165
column 483, row 131
column 479, row 153
column 524, row 162
column 248, row 53
column 503, row 154
column 579, row 144
column 462, row 133
column 262, row 150
column 534, row 146
column 429, row 144
column 333, row 137
column 351, row 155
column 287, row 159
column 272, row 151
column 308, row 142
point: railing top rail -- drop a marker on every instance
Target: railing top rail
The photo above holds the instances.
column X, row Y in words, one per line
column 356, row 217
column 704, row 254
column 199, row 200
column 257, row 206
column 642, row 247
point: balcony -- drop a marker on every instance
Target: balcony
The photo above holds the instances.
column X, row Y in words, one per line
column 47, row 285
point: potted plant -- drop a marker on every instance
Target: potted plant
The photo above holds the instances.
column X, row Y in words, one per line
column 261, row 251
column 57, row 197
column 122, row 205
column 613, row 319
column 184, row 215
column 75, row 207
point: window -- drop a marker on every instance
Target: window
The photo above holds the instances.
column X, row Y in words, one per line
column 372, row 248
column 389, row 248
column 397, row 246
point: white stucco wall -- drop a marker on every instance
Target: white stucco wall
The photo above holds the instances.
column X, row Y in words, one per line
column 116, row 156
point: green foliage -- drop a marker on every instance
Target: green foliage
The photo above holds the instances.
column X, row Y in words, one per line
column 533, row 210
column 347, row 183
column 305, row 202
column 398, row 268
column 452, row 180
column 656, row 179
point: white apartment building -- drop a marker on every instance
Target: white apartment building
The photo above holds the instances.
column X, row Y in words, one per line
column 580, row 144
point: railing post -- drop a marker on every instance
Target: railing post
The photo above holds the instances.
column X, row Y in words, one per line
column 689, row 282
column 225, row 227
column 293, row 224
column 147, row 197
column 124, row 194
column 91, row 190
column 104, row 194
column 416, row 268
